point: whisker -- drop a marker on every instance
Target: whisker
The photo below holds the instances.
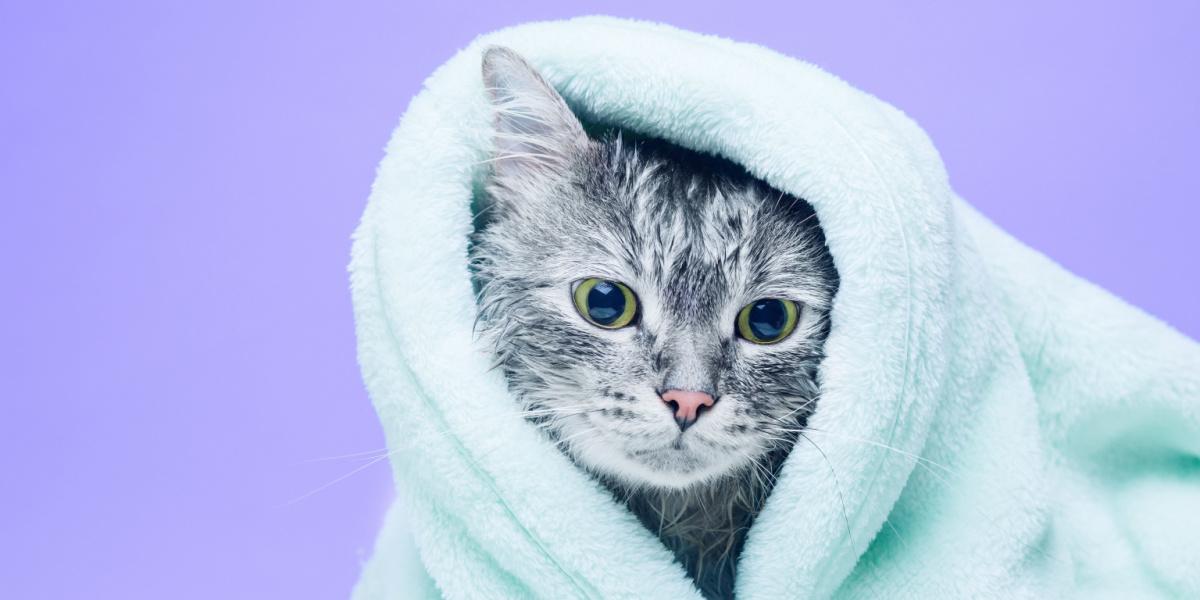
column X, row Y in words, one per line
column 339, row 479
column 364, row 453
column 916, row 457
column 803, row 406
column 838, row 486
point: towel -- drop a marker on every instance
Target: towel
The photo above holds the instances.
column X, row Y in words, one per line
column 989, row 425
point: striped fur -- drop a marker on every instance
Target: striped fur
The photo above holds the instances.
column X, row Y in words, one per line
column 696, row 238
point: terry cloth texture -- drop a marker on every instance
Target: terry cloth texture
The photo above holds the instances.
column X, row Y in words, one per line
column 992, row 426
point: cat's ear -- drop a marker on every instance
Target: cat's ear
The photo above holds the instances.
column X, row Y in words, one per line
column 535, row 132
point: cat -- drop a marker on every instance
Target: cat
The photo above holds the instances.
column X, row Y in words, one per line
column 659, row 313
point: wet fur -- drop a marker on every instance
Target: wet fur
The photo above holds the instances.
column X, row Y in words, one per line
column 696, row 238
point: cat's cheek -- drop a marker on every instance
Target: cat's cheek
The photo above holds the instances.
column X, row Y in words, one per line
column 714, row 423
column 751, row 352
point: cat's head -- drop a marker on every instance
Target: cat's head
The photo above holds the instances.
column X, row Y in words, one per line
column 659, row 313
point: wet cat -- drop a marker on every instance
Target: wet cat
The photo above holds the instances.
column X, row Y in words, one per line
column 659, row 313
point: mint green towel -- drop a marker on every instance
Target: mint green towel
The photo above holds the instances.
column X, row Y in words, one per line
column 992, row 426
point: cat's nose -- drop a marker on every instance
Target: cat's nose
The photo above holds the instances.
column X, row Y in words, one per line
column 687, row 405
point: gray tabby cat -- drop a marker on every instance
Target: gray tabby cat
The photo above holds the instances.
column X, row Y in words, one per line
column 659, row 313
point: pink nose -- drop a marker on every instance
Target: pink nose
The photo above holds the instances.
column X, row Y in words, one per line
column 687, row 405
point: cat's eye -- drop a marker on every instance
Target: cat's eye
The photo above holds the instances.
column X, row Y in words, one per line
column 604, row 303
column 768, row 320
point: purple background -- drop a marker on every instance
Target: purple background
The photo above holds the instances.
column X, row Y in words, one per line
column 180, row 180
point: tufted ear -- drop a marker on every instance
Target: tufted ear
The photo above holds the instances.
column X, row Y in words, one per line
column 535, row 131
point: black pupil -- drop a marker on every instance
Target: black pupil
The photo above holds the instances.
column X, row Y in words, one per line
column 767, row 318
column 605, row 303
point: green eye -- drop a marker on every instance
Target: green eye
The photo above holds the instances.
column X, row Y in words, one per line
column 603, row 303
column 767, row 321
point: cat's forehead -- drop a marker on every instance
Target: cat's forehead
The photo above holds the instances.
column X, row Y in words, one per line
column 695, row 232
column 696, row 236
column 688, row 215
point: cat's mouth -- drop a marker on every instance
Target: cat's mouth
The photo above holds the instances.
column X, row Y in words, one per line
column 678, row 462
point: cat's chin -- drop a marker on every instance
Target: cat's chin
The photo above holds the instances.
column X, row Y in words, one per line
column 666, row 468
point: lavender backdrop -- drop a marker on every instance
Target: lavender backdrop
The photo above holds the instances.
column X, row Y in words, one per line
column 179, row 182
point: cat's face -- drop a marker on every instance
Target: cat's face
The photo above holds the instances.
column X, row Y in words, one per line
column 660, row 314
